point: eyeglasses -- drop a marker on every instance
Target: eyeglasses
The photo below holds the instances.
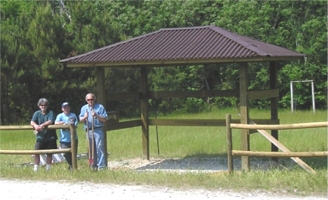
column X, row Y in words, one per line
column 89, row 99
column 42, row 105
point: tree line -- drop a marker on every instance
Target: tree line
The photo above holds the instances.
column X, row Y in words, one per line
column 35, row 35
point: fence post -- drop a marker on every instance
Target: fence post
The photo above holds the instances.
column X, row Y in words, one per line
column 73, row 146
column 229, row 144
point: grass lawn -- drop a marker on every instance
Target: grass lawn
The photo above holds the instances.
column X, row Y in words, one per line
column 180, row 142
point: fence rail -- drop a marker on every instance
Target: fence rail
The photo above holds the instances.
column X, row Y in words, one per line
column 49, row 151
column 280, row 127
column 279, row 154
column 261, row 129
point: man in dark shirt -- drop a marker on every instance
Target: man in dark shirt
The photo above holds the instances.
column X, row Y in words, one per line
column 45, row 138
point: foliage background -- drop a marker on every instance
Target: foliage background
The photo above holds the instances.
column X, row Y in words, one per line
column 35, row 35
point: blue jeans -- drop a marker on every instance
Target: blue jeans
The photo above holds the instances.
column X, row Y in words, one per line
column 68, row 156
column 99, row 148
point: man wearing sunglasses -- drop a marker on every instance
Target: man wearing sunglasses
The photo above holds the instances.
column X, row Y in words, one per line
column 94, row 116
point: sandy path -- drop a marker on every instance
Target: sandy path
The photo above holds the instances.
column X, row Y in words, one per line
column 18, row 189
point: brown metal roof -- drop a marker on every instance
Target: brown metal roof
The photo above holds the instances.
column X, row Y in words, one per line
column 176, row 46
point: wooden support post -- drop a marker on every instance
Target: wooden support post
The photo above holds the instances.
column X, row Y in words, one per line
column 101, row 98
column 274, row 104
column 244, row 114
column 229, row 144
column 73, row 146
column 144, row 111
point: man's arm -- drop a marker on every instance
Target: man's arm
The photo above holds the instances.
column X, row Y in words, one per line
column 58, row 120
column 83, row 115
column 33, row 123
column 102, row 114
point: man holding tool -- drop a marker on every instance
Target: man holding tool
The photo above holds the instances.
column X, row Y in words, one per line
column 94, row 116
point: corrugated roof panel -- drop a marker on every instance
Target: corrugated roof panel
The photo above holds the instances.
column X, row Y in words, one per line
column 176, row 45
column 198, row 43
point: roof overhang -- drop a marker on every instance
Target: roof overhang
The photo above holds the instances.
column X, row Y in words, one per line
column 156, row 63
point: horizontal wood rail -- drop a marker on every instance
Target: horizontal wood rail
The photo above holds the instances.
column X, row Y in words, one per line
column 201, row 122
column 115, row 125
column 280, row 127
column 48, row 151
column 186, row 122
column 29, row 127
column 279, row 154
column 253, row 94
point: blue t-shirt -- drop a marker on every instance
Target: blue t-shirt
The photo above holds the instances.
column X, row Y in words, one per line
column 46, row 134
column 65, row 134
column 99, row 110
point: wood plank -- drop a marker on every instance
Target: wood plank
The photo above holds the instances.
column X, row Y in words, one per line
column 49, row 151
column 258, row 94
column 281, row 126
column 196, row 94
column 279, row 154
column 187, row 122
column 113, row 125
column 284, row 149
column 263, row 94
column 29, row 127
column 123, row 96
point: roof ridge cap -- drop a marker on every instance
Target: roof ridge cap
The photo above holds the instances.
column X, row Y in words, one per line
column 192, row 27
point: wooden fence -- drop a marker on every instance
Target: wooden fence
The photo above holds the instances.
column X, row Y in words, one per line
column 49, row 151
column 261, row 129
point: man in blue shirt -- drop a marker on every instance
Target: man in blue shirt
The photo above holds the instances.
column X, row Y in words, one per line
column 94, row 117
column 67, row 117
column 45, row 138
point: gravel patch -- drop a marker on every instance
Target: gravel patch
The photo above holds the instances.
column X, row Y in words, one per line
column 192, row 164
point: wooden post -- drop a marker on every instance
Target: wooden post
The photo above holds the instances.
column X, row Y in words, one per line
column 243, row 87
column 144, row 112
column 101, row 98
column 274, row 104
column 229, row 144
column 73, row 146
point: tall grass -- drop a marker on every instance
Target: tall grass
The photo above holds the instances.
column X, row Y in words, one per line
column 181, row 141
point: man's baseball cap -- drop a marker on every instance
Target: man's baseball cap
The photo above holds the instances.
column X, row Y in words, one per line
column 65, row 104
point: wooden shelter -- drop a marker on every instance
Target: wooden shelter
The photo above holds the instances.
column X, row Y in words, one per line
column 181, row 47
